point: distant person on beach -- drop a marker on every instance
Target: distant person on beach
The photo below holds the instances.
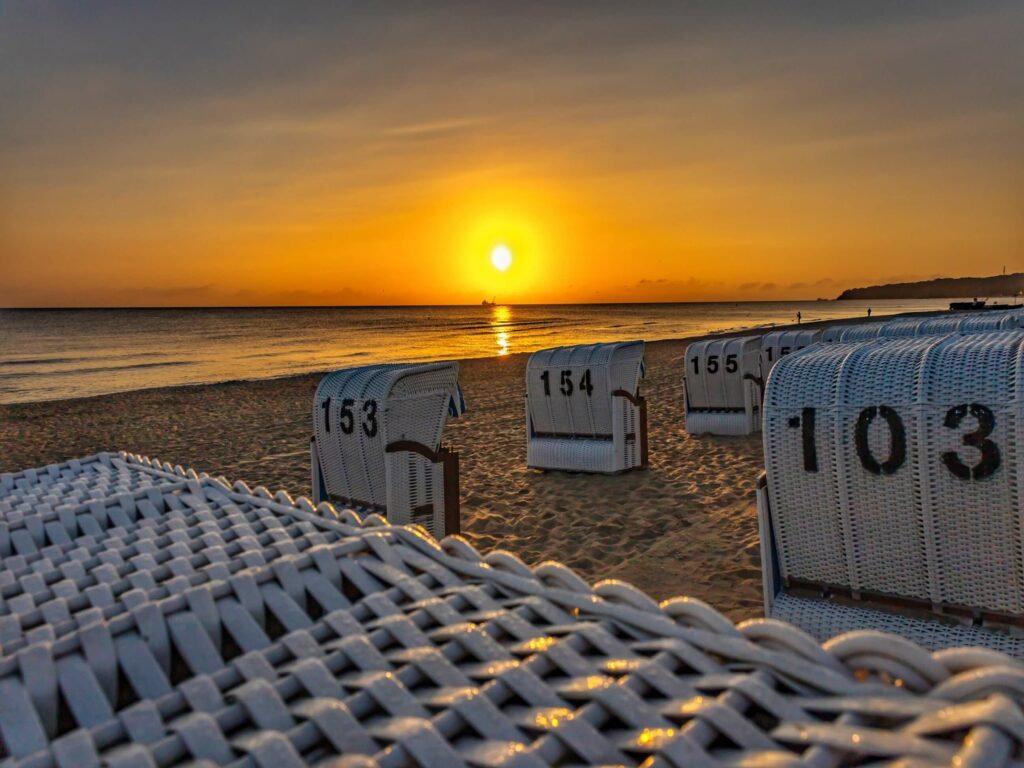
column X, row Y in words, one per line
column 798, row 317
column 869, row 311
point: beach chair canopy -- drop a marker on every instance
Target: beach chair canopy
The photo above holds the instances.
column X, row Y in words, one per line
column 993, row 321
column 861, row 332
column 377, row 436
column 585, row 393
column 777, row 344
column 937, row 326
column 902, row 328
column 962, row 322
column 893, row 472
column 184, row 620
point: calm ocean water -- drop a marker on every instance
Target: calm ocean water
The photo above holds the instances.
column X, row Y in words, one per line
column 55, row 354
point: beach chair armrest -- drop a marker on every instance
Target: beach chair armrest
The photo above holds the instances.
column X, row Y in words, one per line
column 633, row 398
column 398, row 446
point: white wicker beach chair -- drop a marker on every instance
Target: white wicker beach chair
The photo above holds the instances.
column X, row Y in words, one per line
column 861, row 332
column 584, row 412
column 385, row 647
column 962, row 322
column 377, row 442
column 993, row 321
column 903, row 327
column 894, row 487
column 937, row 326
column 777, row 344
column 722, row 386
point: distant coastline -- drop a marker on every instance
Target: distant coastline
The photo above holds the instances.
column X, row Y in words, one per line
column 942, row 288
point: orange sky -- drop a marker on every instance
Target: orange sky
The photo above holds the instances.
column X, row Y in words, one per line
column 185, row 154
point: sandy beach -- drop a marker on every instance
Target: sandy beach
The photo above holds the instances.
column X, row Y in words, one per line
column 685, row 526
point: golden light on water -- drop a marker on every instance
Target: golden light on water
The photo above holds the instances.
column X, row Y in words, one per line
column 501, row 319
column 501, row 257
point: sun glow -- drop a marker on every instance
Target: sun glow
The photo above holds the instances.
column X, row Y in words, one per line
column 501, row 257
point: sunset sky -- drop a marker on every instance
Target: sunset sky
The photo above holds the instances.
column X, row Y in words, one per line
column 188, row 153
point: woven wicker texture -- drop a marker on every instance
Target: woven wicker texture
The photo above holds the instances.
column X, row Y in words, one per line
column 965, row 322
column 386, row 648
column 778, row 344
column 358, row 412
column 721, row 386
column 894, row 469
column 577, row 417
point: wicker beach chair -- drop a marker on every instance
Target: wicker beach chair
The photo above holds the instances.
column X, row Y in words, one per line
column 937, row 326
column 892, row 497
column 385, row 647
column 847, row 333
column 777, row 344
column 377, row 442
column 722, row 386
column 993, row 321
column 903, row 327
column 584, row 412
column 963, row 322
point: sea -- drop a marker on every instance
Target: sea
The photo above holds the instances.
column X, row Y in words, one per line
column 59, row 354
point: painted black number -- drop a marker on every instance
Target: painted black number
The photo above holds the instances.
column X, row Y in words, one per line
column 566, row 388
column 783, row 351
column 326, row 405
column 769, row 354
column 370, row 424
column 585, row 385
column 805, row 421
column 546, row 378
column 712, row 363
column 730, row 363
column 990, row 458
column 897, row 440
column 696, row 365
column 347, row 420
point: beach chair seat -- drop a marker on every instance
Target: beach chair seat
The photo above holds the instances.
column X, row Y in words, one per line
column 893, row 487
column 377, row 446
column 777, row 344
column 722, row 384
column 584, row 411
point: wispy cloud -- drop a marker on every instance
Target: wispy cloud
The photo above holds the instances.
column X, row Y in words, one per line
column 436, row 128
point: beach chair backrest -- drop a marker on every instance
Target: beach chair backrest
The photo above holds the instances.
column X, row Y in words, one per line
column 778, row 344
column 894, row 469
column 570, row 389
column 718, row 372
column 359, row 412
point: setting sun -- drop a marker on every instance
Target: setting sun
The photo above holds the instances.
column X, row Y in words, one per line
column 501, row 257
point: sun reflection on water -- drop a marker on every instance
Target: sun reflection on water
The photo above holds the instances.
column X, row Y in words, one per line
column 501, row 321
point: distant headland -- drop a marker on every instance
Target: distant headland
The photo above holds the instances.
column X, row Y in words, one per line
column 942, row 288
